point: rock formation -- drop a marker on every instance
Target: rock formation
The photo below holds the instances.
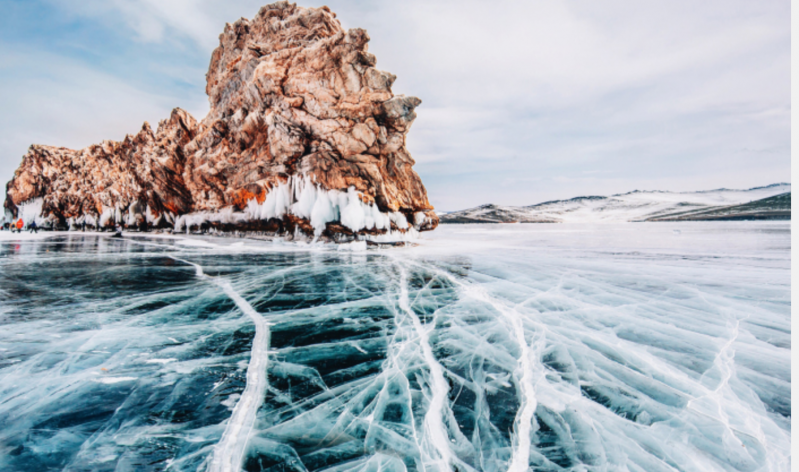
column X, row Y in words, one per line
column 303, row 134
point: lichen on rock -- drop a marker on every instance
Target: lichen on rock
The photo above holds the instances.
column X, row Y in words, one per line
column 297, row 107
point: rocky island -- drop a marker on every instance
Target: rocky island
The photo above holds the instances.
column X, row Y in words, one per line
column 304, row 135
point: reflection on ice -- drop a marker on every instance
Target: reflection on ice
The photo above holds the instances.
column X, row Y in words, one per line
column 538, row 347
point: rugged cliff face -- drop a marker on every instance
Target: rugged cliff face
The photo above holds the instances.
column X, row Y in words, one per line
column 142, row 175
column 303, row 134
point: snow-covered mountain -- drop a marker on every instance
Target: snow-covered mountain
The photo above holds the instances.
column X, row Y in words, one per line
column 634, row 206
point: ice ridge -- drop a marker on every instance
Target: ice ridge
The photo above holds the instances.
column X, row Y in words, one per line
column 527, row 375
column 229, row 452
column 437, row 448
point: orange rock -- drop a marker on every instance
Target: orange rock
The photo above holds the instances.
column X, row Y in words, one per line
column 291, row 92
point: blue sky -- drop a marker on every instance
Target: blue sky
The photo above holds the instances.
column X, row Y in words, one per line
column 523, row 101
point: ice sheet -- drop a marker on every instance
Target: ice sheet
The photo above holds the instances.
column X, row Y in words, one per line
column 641, row 347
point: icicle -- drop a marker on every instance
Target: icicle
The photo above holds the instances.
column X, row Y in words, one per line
column 300, row 197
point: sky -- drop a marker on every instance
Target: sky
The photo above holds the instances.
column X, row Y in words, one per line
column 522, row 101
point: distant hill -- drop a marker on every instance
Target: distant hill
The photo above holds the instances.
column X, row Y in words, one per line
column 777, row 207
column 770, row 202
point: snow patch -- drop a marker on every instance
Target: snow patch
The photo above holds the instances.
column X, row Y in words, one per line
column 194, row 243
column 160, row 361
column 393, row 236
column 113, row 380
column 355, row 246
column 230, row 402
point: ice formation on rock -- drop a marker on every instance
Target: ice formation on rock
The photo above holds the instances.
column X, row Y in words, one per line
column 303, row 134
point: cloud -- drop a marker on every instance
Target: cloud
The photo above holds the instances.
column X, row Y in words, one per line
column 158, row 21
column 60, row 102
column 657, row 95
column 522, row 101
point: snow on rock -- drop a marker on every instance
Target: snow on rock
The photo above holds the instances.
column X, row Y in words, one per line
column 632, row 206
column 302, row 129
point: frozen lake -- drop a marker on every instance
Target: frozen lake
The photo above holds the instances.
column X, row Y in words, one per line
column 640, row 347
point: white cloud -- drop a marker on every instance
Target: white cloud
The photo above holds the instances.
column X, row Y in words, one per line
column 57, row 101
column 200, row 21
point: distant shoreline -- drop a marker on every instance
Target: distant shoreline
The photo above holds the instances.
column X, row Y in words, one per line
column 763, row 203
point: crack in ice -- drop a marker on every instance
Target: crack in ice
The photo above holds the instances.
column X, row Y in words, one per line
column 523, row 424
column 433, row 422
column 229, row 451
column 644, row 362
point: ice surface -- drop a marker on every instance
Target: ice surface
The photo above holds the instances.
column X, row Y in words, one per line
column 639, row 347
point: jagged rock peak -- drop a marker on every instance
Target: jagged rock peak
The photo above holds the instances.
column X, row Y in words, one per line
column 298, row 111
